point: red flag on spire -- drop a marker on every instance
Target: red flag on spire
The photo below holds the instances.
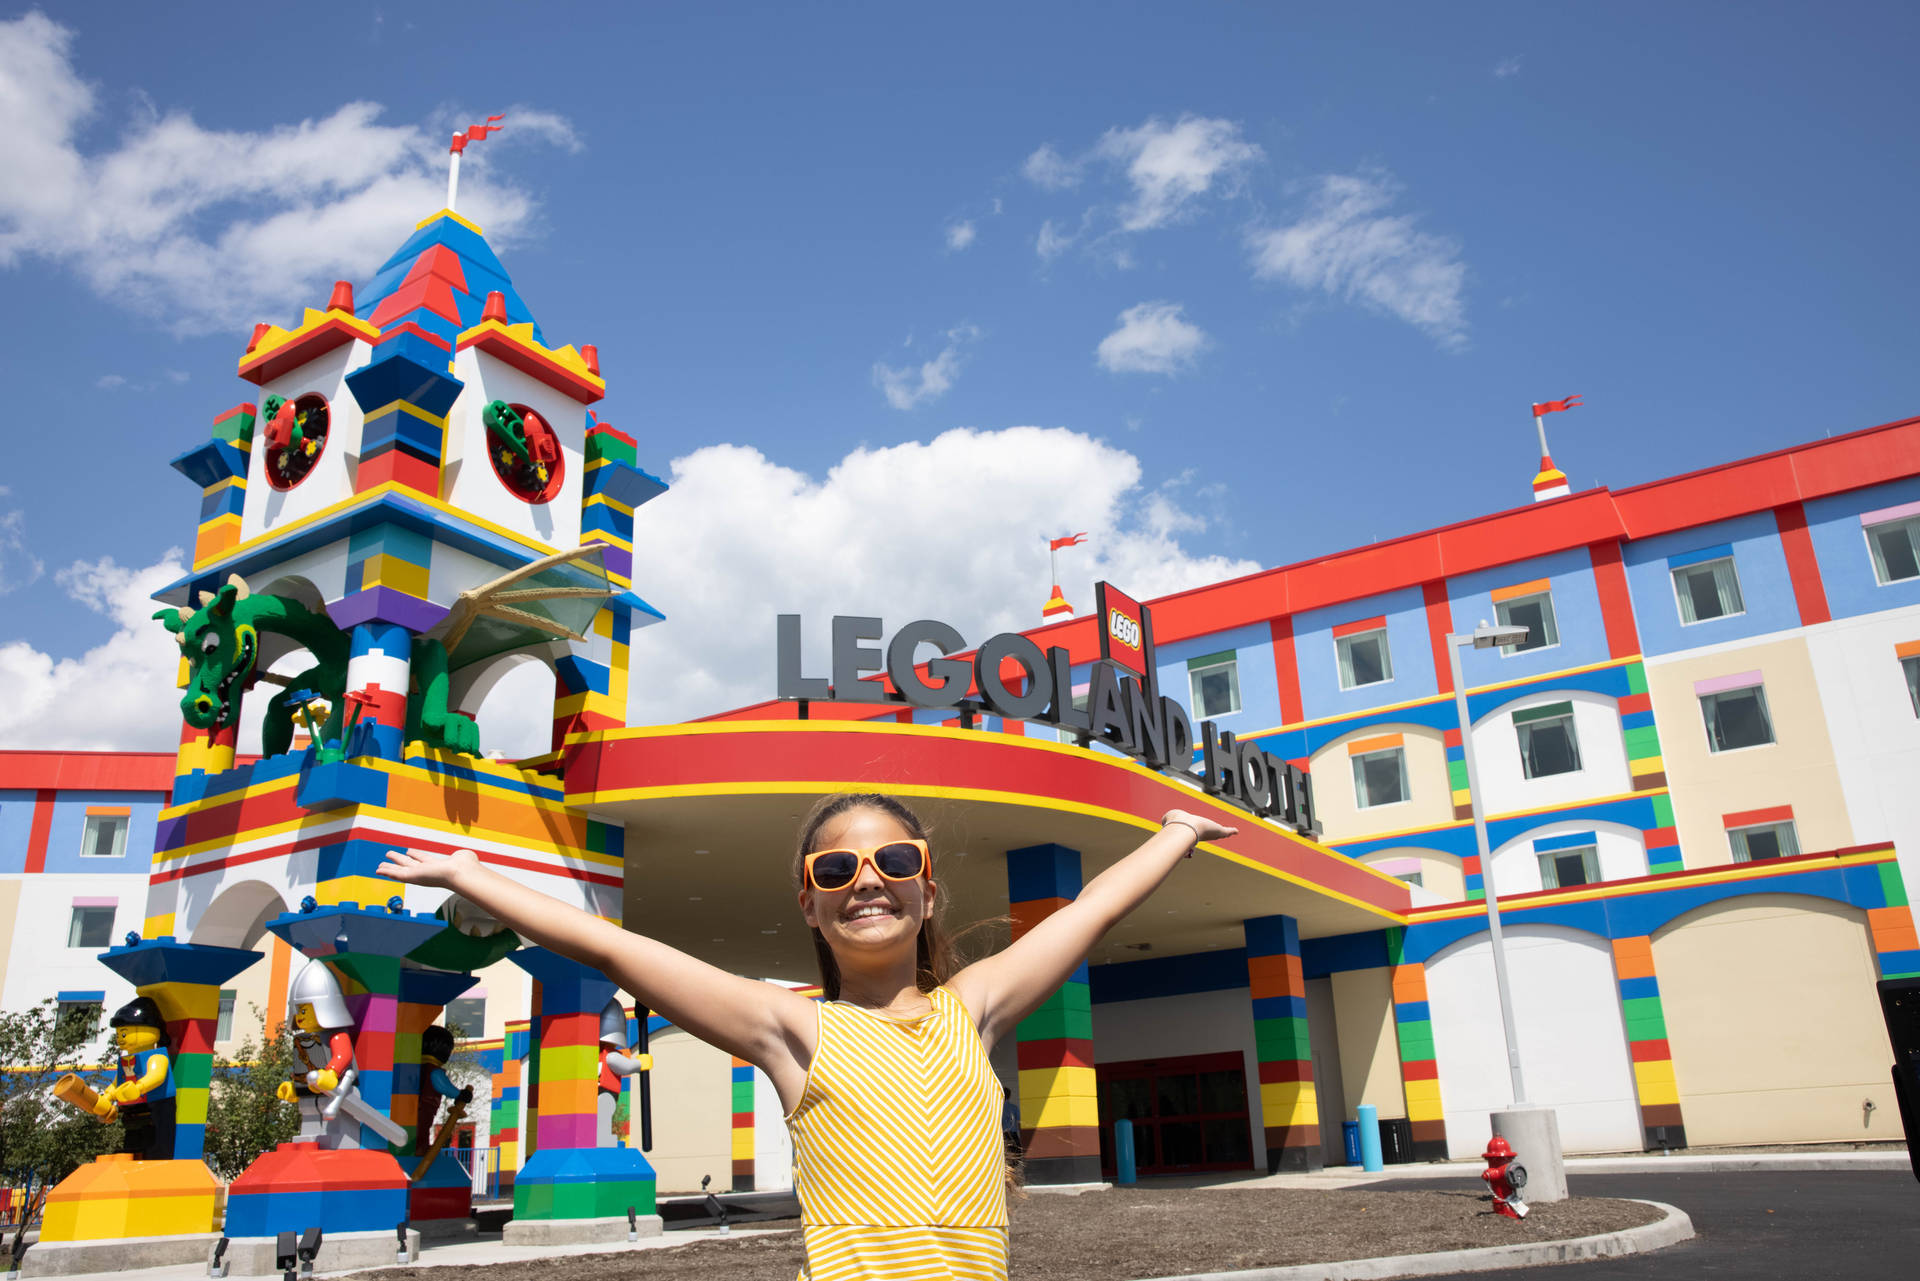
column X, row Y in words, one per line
column 1071, row 540
column 1555, row 406
column 475, row 133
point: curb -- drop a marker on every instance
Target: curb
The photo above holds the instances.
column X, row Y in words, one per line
column 1671, row 1230
column 1782, row 1163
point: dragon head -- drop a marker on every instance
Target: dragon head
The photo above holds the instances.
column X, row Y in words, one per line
column 221, row 648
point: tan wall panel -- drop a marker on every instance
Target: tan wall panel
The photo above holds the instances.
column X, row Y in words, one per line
column 692, row 1113
column 1796, row 769
column 1774, row 1025
column 1430, row 798
column 1369, row 1048
column 1440, row 874
column 9, row 911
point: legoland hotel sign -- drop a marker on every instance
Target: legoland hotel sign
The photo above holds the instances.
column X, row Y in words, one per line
column 1011, row 677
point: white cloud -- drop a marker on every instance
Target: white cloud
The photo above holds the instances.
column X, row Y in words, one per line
column 118, row 695
column 960, row 235
column 908, row 386
column 1153, row 338
column 1047, row 169
column 1506, row 67
column 18, row 565
column 901, row 532
column 1347, row 244
column 1169, row 166
column 1052, row 242
column 203, row 227
column 110, row 382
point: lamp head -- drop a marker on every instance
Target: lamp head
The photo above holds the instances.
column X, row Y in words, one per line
column 1490, row 637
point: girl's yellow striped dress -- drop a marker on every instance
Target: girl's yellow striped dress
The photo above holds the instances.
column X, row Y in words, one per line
column 897, row 1154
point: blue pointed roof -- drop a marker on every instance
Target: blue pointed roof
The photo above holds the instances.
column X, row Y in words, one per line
column 439, row 279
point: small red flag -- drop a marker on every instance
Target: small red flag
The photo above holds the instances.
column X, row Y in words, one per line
column 1555, row 406
column 1071, row 540
column 475, row 133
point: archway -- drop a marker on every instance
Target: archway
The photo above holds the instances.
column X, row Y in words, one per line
column 1573, row 1040
column 510, row 698
column 1773, row 1023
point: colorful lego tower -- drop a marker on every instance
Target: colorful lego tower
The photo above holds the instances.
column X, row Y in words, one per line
column 419, row 499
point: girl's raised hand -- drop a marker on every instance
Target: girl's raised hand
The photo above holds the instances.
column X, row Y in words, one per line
column 1204, row 829
column 413, row 868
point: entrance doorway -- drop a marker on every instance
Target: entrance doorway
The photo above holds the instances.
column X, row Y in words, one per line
column 1189, row 1114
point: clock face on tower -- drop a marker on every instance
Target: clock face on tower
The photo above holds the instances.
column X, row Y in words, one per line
column 524, row 451
column 295, row 437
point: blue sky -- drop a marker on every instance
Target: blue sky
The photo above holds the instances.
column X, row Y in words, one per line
column 1272, row 281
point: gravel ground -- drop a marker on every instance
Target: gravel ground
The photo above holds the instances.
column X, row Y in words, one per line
column 1122, row 1234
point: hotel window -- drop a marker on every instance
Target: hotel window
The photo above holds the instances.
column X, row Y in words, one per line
column 467, row 1017
column 1736, row 718
column 1533, row 611
column 1548, row 744
column 90, row 927
column 1563, row 869
column 105, row 835
column 1707, row 590
column 1911, row 666
column 1364, row 658
column 1215, row 683
column 223, row 1028
column 84, row 1008
column 1380, row 778
column 1417, row 879
column 1896, row 549
column 1763, row 841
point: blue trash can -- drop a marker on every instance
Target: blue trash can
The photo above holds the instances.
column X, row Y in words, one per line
column 1350, row 1131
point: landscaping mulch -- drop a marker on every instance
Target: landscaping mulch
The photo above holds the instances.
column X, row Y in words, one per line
column 1127, row 1233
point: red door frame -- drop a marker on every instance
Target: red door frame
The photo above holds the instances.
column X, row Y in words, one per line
column 1150, row 1070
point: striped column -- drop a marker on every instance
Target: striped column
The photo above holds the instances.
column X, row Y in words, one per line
column 423, row 996
column 184, row 980
column 1660, row 1119
column 1895, row 945
column 569, row 1175
column 1644, row 760
column 506, row 1110
column 1663, row 838
column 590, row 682
column 219, row 467
column 742, row 1087
column 1289, row 1104
column 1059, row 1101
column 378, row 671
column 204, row 751
column 1419, row 1072
column 371, row 984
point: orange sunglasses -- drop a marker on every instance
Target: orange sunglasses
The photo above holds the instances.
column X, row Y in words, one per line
column 893, row 860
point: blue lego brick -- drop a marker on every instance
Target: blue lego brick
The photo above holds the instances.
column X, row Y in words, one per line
column 211, row 462
column 1280, row 1007
column 1339, row 953
column 1042, row 872
column 581, row 675
column 342, row 783
column 1272, row 936
column 1635, row 989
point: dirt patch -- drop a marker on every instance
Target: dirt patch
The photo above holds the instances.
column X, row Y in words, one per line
column 1129, row 1233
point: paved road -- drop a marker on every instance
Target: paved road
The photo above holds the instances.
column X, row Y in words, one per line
column 1847, row 1225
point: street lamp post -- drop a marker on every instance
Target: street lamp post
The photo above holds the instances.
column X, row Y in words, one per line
column 1533, row 1131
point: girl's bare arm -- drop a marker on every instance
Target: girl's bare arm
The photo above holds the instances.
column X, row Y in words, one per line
column 766, row 1025
column 1004, row 988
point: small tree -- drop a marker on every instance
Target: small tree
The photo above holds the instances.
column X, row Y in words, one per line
column 42, row 1139
column 245, row 1115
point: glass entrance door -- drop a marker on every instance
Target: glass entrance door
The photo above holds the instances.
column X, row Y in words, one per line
column 1189, row 1114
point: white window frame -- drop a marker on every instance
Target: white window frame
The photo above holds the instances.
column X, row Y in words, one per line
column 1550, row 874
column 1912, row 526
column 1789, row 845
column 1549, row 621
column 1573, row 739
column 1232, row 668
column 1706, row 722
column 1681, row 601
column 74, row 924
column 223, row 1021
column 89, row 835
column 1343, row 661
column 1359, row 773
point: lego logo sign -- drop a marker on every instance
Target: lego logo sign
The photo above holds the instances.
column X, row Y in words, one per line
column 1123, row 632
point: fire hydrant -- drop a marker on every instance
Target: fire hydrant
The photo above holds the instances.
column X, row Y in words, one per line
column 1505, row 1177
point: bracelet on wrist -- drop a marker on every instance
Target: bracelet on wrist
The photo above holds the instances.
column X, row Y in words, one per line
column 1189, row 826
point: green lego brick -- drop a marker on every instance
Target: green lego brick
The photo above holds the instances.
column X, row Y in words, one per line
column 192, row 1071
column 1892, row 886
column 1049, row 1024
column 1416, row 1041
column 1281, row 1040
column 604, row 445
column 1643, row 742
column 1645, row 1017
column 1636, row 678
column 1663, row 810
column 743, row 1096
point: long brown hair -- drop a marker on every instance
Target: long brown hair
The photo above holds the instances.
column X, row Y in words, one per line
column 933, row 953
